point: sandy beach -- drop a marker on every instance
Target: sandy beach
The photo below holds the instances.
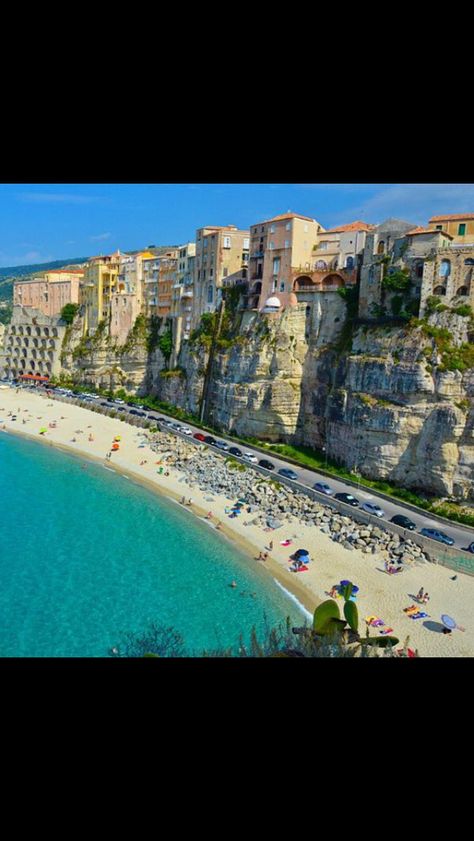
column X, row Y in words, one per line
column 380, row 594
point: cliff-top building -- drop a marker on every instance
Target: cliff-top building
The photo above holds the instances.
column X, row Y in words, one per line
column 221, row 254
column 279, row 247
column 460, row 226
column 96, row 290
column 49, row 293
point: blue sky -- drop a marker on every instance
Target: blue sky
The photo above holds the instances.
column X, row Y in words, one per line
column 43, row 222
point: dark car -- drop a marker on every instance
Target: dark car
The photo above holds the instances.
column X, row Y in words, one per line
column 287, row 473
column 136, row 412
column 438, row 535
column 209, row 439
column 348, row 499
column 470, row 548
column 104, row 403
column 121, row 409
column 222, row 445
column 234, row 451
column 404, row 522
column 199, row 436
column 266, row 464
column 135, row 405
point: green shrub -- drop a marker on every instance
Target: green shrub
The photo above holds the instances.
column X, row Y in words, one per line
column 465, row 310
column 69, row 312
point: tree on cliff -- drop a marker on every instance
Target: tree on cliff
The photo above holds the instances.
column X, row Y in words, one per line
column 69, row 312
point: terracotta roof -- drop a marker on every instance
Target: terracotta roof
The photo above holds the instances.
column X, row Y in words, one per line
column 65, row 271
column 452, row 217
column 416, row 231
column 290, row 216
column 351, row 226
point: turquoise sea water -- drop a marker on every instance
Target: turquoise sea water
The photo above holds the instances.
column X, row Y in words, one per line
column 86, row 554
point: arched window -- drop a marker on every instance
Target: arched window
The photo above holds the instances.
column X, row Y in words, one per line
column 350, row 263
column 381, row 247
column 440, row 290
column 463, row 290
column 469, row 262
column 445, row 268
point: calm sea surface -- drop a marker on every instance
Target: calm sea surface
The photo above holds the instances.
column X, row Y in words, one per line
column 86, row 554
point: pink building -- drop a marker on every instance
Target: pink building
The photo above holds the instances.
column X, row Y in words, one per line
column 50, row 293
column 124, row 309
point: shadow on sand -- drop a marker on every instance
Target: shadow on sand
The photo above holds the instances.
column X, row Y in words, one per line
column 437, row 627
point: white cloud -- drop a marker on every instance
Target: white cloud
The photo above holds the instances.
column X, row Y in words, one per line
column 100, row 236
column 413, row 202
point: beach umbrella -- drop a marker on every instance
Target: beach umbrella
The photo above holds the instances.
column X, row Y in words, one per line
column 43, row 429
column 448, row 622
column 300, row 552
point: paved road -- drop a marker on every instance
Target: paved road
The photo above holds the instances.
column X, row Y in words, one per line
column 462, row 535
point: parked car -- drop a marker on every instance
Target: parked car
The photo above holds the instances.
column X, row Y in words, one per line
column 438, row 535
column 135, row 405
column 348, row 499
column 373, row 508
column 104, row 403
column 287, row 473
column 404, row 522
column 470, row 548
column 186, row 430
column 138, row 413
column 266, row 464
column 234, row 451
column 166, row 421
column 176, row 426
column 199, row 436
column 222, row 445
column 121, row 409
column 118, row 401
column 250, row 457
column 209, row 439
column 323, row 488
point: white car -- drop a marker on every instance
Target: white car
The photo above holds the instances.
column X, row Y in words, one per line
column 186, row 430
column 116, row 400
column 372, row 508
column 250, row 457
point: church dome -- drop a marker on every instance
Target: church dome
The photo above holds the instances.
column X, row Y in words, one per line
column 272, row 302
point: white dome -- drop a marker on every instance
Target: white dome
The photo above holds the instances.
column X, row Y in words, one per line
column 272, row 302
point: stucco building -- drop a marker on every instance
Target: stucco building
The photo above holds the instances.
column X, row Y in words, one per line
column 49, row 293
column 221, row 253
column 459, row 225
column 97, row 288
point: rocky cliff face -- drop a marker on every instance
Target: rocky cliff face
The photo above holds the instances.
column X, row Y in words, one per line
column 383, row 401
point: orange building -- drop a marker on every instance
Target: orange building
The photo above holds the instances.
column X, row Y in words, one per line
column 50, row 292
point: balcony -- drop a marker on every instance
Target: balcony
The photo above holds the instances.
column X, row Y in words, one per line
column 187, row 293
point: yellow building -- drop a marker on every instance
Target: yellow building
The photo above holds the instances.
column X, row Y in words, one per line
column 97, row 288
column 459, row 225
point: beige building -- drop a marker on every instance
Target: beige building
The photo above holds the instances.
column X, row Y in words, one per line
column 49, row 293
column 222, row 255
column 279, row 247
column 182, row 295
column 459, row 225
column 96, row 290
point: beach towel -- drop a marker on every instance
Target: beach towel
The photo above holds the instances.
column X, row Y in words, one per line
column 418, row 615
column 302, row 568
column 375, row 621
column 411, row 609
column 386, row 631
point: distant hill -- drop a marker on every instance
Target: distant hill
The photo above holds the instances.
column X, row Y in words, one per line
column 10, row 273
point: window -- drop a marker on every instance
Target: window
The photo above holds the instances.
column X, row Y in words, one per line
column 227, row 242
column 204, row 274
column 246, row 243
column 461, row 230
column 381, row 247
column 211, row 272
column 271, row 245
column 276, row 265
column 350, row 263
column 205, row 243
column 439, row 227
column 282, row 287
column 210, row 294
column 323, row 246
column 226, row 272
column 445, row 268
column 305, row 229
column 287, row 243
column 288, row 226
column 262, row 229
column 272, row 229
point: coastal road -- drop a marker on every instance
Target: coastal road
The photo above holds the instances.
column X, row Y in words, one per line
column 462, row 535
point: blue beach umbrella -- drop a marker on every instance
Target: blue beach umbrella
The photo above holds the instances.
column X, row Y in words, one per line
column 448, row 622
column 300, row 552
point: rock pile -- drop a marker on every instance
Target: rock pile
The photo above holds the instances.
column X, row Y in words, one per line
column 272, row 504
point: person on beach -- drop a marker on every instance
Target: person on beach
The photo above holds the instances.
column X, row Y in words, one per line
column 218, row 524
column 270, row 545
column 182, row 501
column 209, row 515
column 425, row 599
column 189, row 502
column 419, row 595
